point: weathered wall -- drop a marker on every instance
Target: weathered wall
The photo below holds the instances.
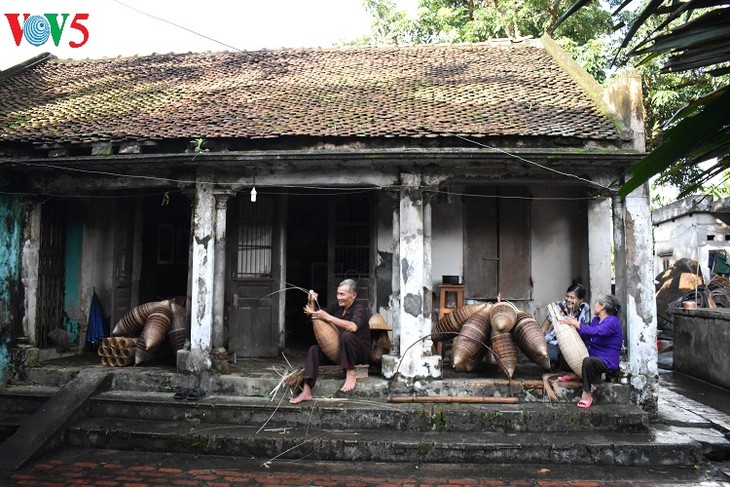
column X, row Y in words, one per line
column 447, row 243
column 11, row 294
column 96, row 263
column 686, row 237
column 701, row 339
column 559, row 249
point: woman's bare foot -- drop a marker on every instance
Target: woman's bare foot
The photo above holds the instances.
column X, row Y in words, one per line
column 350, row 381
column 305, row 395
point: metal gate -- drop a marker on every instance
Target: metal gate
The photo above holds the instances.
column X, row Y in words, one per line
column 51, row 275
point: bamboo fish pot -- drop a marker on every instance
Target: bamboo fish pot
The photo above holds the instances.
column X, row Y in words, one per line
column 570, row 343
column 504, row 316
column 132, row 323
column 157, row 325
column 506, row 350
column 179, row 331
column 529, row 338
column 449, row 325
column 327, row 336
column 472, row 335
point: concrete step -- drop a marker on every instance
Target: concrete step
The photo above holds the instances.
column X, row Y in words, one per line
column 662, row 446
column 24, row 399
column 17, row 405
column 353, row 413
column 261, row 384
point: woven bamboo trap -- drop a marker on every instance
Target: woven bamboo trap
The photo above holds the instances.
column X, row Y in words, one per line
column 327, row 336
column 157, row 325
column 179, row 331
column 471, row 337
column 529, row 338
column 449, row 325
column 133, row 321
column 506, row 350
column 504, row 316
column 570, row 343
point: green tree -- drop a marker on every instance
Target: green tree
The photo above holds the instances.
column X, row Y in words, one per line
column 690, row 41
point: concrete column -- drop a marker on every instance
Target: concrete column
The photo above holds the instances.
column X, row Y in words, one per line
column 413, row 267
column 203, row 283
column 641, row 322
column 219, row 280
column 600, row 242
column 619, row 250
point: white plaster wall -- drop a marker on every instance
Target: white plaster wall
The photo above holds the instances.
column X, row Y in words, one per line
column 686, row 237
column 559, row 253
column 447, row 249
column 97, row 257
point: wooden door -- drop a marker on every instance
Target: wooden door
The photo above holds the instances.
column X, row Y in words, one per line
column 123, row 232
column 255, row 263
column 497, row 236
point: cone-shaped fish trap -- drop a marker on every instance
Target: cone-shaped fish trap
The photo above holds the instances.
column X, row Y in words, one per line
column 529, row 338
column 506, row 350
column 157, row 325
column 570, row 343
column 327, row 336
column 504, row 316
column 472, row 335
column 179, row 331
column 133, row 321
column 446, row 328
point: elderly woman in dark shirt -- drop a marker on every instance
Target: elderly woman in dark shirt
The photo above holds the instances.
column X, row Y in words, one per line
column 603, row 337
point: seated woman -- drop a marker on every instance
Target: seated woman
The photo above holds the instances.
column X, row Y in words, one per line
column 603, row 337
column 573, row 305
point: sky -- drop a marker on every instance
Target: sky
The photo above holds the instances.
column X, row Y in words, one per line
column 118, row 28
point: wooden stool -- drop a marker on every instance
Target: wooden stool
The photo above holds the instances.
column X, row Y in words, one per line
column 451, row 298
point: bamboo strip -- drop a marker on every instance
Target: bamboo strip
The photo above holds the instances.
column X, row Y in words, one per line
column 454, row 399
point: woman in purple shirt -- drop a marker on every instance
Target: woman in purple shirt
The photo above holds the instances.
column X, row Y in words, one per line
column 603, row 338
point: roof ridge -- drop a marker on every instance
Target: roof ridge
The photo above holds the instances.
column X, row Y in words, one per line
column 29, row 63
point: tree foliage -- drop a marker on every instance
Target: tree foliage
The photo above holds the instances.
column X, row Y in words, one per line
column 453, row 21
column 690, row 43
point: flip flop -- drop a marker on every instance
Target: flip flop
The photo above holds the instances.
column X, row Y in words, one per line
column 181, row 393
column 567, row 378
column 585, row 403
column 195, row 394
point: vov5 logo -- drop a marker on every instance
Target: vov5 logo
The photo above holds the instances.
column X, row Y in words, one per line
column 37, row 29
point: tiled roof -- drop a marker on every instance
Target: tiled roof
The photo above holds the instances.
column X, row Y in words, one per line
column 410, row 91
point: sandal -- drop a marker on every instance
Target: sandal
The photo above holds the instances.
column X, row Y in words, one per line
column 181, row 393
column 585, row 403
column 195, row 394
column 568, row 378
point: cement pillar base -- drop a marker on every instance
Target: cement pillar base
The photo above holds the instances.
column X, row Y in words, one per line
column 193, row 361
column 424, row 367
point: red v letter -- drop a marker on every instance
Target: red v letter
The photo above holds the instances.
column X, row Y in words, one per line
column 15, row 27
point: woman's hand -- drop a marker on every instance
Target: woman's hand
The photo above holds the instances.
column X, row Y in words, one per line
column 572, row 321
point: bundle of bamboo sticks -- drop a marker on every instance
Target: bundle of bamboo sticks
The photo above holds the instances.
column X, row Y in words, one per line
column 117, row 351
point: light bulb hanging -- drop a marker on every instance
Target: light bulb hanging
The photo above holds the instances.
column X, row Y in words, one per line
column 253, row 191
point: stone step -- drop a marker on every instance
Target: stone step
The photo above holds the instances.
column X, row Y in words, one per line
column 527, row 386
column 662, row 446
column 353, row 413
column 24, row 399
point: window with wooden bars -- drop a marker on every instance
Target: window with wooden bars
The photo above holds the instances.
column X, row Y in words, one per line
column 352, row 238
column 255, row 239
